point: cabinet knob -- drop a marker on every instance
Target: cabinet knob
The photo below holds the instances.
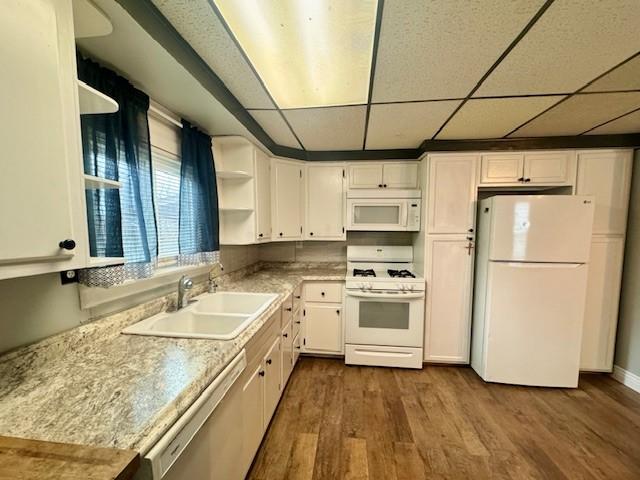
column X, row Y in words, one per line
column 338, row 312
column 298, row 322
column 285, row 335
column 311, row 233
column 322, row 293
column 297, row 348
column 385, row 185
column 470, row 230
column 288, row 309
column 527, row 179
column 297, row 296
column 280, row 234
column 521, row 179
column 269, row 361
column 67, row 244
column 261, row 373
column 260, row 235
column 379, row 185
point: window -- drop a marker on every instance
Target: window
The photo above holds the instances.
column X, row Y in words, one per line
column 166, row 180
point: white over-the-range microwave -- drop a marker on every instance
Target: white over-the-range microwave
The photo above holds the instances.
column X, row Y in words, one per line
column 384, row 210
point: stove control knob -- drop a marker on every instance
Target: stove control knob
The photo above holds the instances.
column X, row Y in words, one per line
column 409, row 288
column 369, row 287
column 400, row 287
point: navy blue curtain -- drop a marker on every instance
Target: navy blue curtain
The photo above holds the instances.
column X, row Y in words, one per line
column 116, row 146
column 199, row 226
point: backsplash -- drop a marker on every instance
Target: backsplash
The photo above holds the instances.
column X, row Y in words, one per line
column 318, row 251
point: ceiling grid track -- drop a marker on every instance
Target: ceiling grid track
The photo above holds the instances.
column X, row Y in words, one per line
column 504, row 54
column 255, row 72
column 612, row 120
column 372, row 72
column 571, row 95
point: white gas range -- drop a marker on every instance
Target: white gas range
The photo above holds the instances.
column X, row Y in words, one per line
column 384, row 307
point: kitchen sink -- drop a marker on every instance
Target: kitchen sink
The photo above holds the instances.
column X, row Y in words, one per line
column 218, row 316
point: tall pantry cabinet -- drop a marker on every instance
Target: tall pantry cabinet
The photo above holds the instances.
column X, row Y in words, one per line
column 605, row 174
column 449, row 255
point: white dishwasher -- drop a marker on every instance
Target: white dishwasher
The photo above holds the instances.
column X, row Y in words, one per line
column 206, row 442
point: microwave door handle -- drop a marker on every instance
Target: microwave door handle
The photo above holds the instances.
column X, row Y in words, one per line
column 404, row 212
column 395, row 296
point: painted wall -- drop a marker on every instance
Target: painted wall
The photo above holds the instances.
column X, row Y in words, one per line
column 33, row 308
column 628, row 341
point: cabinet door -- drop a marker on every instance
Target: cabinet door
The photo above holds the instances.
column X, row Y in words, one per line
column 325, row 203
column 287, row 200
column 502, row 168
column 263, row 197
column 367, row 175
column 252, row 414
column 547, row 167
column 287, row 352
column 607, row 176
column 448, row 308
column 41, row 164
column 296, row 349
column 272, row 365
column 452, row 193
column 400, row 175
column 601, row 311
column 323, row 328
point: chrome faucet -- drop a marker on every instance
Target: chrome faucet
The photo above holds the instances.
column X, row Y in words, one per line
column 184, row 285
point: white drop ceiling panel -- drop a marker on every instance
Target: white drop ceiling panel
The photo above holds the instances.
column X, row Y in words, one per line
column 433, row 50
column 275, row 126
column 331, row 128
column 198, row 24
column 493, row 117
column 406, row 125
column 625, row 77
column 627, row 124
column 571, row 44
column 580, row 113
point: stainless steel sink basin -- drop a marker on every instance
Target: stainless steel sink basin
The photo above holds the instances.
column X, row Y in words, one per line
column 219, row 316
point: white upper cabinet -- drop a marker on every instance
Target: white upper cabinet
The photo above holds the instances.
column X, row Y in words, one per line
column 286, row 199
column 325, row 202
column 452, row 193
column 384, row 175
column 528, row 168
column 263, row 196
column 502, row 168
column 606, row 174
column 41, row 184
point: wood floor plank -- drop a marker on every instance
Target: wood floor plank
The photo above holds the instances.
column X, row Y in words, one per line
column 363, row 423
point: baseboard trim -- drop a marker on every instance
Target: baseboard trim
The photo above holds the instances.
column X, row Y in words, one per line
column 626, row 377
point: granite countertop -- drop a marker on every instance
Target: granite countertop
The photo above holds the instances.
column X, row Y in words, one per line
column 96, row 386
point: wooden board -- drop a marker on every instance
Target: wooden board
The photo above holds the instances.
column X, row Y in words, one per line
column 32, row 459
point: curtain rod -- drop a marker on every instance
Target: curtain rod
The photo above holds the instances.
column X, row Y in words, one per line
column 159, row 113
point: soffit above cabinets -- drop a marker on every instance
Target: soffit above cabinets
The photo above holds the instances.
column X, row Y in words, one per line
column 435, row 70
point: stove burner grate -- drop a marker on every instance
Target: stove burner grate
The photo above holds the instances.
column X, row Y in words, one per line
column 400, row 274
column 360, row 272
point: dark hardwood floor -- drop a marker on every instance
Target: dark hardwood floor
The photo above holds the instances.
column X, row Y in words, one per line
column 339, row 422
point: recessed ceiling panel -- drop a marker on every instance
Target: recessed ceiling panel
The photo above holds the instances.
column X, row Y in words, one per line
column 333, row 128
column 406, row 125
column 627, row 124
column 432, row 50
column 580, row 113
column 625, row 77
column 197, row 23
column 275, row 126
column 309, row 53
column 570, row 45
column 493, row 117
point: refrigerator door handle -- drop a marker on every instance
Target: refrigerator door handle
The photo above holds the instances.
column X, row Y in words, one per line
column 540, row 264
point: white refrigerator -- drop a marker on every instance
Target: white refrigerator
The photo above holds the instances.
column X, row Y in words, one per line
column 530, row 286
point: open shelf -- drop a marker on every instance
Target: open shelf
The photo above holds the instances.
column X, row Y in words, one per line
column 105, row 261
column 237, row 174
column 92, row 101
column 224, row 209
column 89, row 20
column 93, row 182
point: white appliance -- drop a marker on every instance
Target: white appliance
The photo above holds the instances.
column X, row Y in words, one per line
column 383, row 210
column 384, row 307
column 530, row 288
column 206, row 441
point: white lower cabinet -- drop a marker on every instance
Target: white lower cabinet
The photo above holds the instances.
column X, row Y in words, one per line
column 252, row 414
column 272, row 366
column 287, row 352
column 601, row 311
column 448, row 300
column 322, row 318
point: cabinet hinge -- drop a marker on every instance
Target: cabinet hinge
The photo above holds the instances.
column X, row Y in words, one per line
column 300, row 229
column 300, row 173
column 304, row 312
column 304, row 341
column 343, row 176
column 342, row 229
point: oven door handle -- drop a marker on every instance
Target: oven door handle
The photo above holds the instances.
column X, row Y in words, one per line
column 395, row 296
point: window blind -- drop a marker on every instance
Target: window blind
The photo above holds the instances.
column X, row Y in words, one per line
column 166, row 178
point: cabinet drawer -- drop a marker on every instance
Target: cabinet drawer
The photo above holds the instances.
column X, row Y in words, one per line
column 323, row 292
column 297, row 298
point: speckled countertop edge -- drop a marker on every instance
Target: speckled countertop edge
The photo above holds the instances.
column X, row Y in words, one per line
column 95, row 386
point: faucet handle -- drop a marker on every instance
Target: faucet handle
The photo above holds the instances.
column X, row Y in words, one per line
column 186, row 282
